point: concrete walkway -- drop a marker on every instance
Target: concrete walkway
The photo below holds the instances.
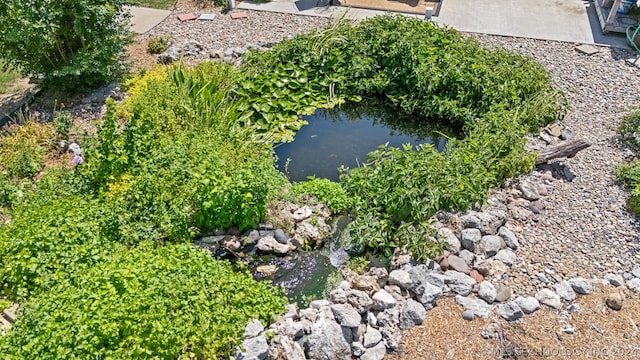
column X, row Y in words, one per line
column 145, row 19
column 559, row 20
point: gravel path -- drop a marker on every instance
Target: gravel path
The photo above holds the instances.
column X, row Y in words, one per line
column 584, row 230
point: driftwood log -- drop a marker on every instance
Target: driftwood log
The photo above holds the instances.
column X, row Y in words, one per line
column 565, row 149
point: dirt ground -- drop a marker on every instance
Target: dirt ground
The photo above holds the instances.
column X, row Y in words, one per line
column 599, row 333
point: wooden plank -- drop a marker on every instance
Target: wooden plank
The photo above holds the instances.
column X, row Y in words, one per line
column 564, row 149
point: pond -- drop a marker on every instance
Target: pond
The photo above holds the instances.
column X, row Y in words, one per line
column 344, row 136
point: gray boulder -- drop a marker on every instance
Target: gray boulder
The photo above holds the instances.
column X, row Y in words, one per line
column 372, row 337
column 581, row 285
column 360, row 300
column 270, row 245
column 470, row 238
column 453, row 243
column 283, row 347
column 458, row 282
column 528, row 304
column 281, row 236
column 490, row 245
column 254, row 348
column 565, row 290
column 458, row 264
column 549, row 298
column 509, row 237
column 253, row 328
column 510, row 311
column 400, row 278
column 412, row 314
column 634, row 285
column 507, row 256
column 487, row 292
column 614, row 279
column 383, row 300
column 478, row 306
column 375, row 353
column 326, row 341
column 467, row 256
column 346, row 315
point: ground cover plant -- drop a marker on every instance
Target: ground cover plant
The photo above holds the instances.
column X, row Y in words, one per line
column 492, row 96
column 8, row 75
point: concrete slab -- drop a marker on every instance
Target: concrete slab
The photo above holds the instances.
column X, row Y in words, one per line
column 145, row 19
column 560, row 20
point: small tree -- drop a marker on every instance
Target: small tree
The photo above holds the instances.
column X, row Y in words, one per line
column 75, row 44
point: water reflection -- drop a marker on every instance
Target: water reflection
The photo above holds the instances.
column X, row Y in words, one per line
column 344, row 136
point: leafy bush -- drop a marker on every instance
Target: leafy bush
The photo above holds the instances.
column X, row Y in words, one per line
column 148, row 302
column 325, row 191
column 492, row 96
column 76, row 44
column 175, row 156
column 158, row 44
column 62, row 122
column 24, row 148
column 629, row 130
column 629, row 174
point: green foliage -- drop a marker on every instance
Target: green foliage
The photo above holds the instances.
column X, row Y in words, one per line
column 325, row 191
column 177, row 158
column 359, row 264
column 76, row 44
column 62, row 122
column 629, row 129
column 492, row 96
column 154, row 4
column 629, row 174
column 147, row 302
column 8, row 75
column 24, row 148
column 158, row 44
column 48, row 240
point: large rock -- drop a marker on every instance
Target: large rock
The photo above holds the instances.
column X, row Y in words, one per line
column 509, row 237
column 470, row 238
column 372, row 337
column 270, row 245
column 360, row 300
column 614, row 280
column 254, row 348
column 383, row 300
column 365, row 283
column 453, row 243
column 491, row 267
column 528, row 304
column 529, row 190
column 565, row 291
column 506, row 256
column 413, row 313
column 175, row 51
column 491, row 220
column 549, row 298
column 346, row 315
column 490, row 245
column 375, row 353
column 458, row 264
column 634, row 285
column 326, row 341
column 487, row 292
column 430, row 293
column 400, row 278
column 615, row 300
column 467, row 256
column 478, row 306
column 391, row 337
column 253, row 328
column 281, row 236
column 510, row 311
column 283, row 347
column 503, row 293
column 581, row 286
column 421, row 276
column 458, row 282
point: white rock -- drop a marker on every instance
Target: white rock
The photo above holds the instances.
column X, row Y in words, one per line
column 383, row 300
column 510, row 311
column 581, row 286
column 451, row 239
column 549, row 298
column 371, row 337
column 487, row 292
column 507, row 256
column 614, row 279
column 528, row 304
column 478, row 306
column 634, row 285
column 565, row 291
column 400, row 278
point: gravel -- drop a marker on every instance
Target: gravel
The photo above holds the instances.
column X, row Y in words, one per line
column 583, row 229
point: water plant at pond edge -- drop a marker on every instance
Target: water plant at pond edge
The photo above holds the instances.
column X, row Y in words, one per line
column 493, row 96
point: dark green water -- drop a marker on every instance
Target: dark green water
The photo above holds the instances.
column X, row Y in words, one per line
column 344, row 136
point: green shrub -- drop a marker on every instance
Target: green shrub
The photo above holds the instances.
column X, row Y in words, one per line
column 629, row 130
column 62, row 122
column 24, row 149
column 629, row 174
column 325, row 191
column 75, row 44
column 148, row 302
column 158, row 44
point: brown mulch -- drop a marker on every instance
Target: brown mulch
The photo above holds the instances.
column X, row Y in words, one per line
column 599, row 333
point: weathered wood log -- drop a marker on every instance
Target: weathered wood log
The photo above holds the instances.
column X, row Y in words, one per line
column 565, row 149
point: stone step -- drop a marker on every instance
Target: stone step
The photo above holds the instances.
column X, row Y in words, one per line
column 10, row 313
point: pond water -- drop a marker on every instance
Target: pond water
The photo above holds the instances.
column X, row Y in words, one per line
column 344, row 136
